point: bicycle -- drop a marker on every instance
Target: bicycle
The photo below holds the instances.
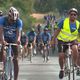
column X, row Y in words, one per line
column 69, row 66
column 45, row 52
column 22, row 53
column 29, row 51
column 2, row 73
column 9, row 66
column 39, row 48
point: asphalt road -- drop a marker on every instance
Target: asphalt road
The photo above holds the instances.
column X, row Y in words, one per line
column 39, row 70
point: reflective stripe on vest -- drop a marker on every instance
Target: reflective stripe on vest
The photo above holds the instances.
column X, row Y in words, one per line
column 65, row 33
column 78, row 38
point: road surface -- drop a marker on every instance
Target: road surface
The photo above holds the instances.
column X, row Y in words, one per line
column 39, row 70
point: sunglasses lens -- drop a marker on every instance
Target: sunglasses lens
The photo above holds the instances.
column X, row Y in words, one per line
column 73, row 14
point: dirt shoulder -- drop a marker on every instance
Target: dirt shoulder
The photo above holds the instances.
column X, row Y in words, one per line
column 38, row 15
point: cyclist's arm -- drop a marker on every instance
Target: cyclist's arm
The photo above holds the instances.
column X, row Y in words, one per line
column 35, row 38
column 1, row 30
column 57, row 31
column 1, row 35
column 26, row 42
column 18, row 31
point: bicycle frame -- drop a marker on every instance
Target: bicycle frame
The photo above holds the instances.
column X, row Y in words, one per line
column 2, row 71
column 9, row 67
column 45, row 52
column 30, row 52
column 39, row 48
column 69, row 65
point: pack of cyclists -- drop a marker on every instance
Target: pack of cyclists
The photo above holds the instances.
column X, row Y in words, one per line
column 67, row 30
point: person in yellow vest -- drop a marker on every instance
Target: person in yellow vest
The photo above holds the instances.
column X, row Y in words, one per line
column 67, row 32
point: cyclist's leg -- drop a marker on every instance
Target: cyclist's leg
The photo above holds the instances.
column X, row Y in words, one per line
column 25, row 50
column 37, row 48
column 29, row 50
column 48, row 49
column 34, row 48
column 15, row 61
column 1, row 54
column 61, row 59
column 78, row 60
column 75, row 54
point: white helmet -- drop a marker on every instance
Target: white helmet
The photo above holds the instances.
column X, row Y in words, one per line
column 13, row 12
column 74, row 10
column 1, row 13
column 23, row 33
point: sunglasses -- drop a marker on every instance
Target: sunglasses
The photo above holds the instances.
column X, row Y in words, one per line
column 73, row 14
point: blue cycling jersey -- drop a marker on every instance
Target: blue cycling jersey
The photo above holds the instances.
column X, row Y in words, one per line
column 10, row 29
column 38, row 38
column 45, row 37
column 31, row 36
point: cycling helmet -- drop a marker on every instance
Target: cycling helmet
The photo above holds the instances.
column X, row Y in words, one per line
column 32, row 29
column 73, row 10
column 23, row 33
column 13, row 13
column 45, row 29
column 1, row 13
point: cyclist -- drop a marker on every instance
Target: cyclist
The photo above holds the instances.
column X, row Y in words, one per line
column 32, row 38
column 39, row 27
column 24, row 42
column 39, row 41
column 46, row 37
column 11, row 26
column 49, row 26
column 67, row 31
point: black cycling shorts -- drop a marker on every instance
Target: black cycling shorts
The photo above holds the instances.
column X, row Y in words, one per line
column 65, row 47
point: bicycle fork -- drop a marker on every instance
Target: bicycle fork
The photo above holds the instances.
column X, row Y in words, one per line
column 9, row 64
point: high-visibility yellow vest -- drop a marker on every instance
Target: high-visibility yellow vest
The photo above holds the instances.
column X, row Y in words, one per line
column 78, row 38
column 49, row 26
column 55, row 26
column 65, row 34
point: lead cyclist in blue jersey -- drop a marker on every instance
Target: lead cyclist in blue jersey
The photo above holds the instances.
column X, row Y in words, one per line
column 10, row 28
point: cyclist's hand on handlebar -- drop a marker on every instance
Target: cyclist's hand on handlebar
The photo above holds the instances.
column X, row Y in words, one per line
column 18, row 42
column 4, row 43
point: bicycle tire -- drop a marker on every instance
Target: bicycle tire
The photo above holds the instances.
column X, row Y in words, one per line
column 46, row 55
column 73, row 73
column 68, row 67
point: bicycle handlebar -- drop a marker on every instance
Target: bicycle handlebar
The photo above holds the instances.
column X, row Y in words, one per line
column 14, row 44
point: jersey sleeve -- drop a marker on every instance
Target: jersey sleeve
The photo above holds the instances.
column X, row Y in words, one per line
column 60, row 24
column 1, row 21
column 35, row 34
column 20, row 24
column 49, row 36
